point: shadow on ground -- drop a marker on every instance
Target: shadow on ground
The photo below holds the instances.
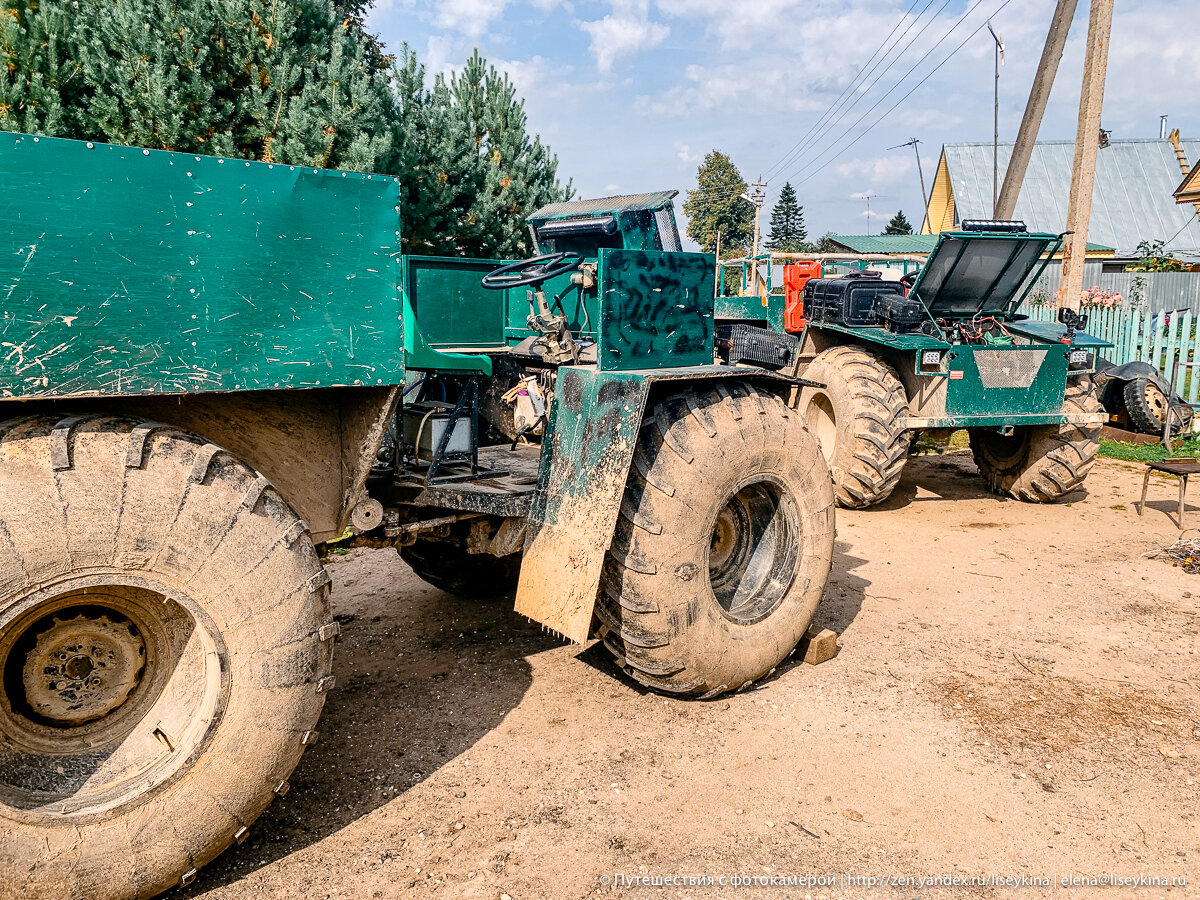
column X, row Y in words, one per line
column 951, row 476
column 420, row 680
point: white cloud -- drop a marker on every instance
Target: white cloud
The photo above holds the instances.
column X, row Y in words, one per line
column 684, row 154
column 625, row 30
column 880, row 169
column 471, row 17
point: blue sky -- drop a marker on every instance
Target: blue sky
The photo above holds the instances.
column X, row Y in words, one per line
column 631, row 93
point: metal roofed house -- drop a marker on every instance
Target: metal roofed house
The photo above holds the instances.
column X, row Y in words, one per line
column 1133, row 198
column 885, row 243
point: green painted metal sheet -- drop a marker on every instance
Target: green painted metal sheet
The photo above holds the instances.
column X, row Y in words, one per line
column 129, row 271
column 451, row 307
column 999, row 380
column 750, row 308
column 590, row 442
column 656, row 309
column 910, row 341
column 1052, row 332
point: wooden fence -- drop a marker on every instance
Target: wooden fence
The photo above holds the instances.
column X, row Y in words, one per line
column 1158, row 338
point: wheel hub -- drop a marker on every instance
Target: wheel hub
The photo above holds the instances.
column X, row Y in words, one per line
column 1156, row 400
column 82, row 668
column 754, row 551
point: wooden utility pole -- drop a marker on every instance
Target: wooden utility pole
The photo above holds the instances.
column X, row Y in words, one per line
column 757, row 199
column 1087, row 138
column 1035, row 108
column 717, row 280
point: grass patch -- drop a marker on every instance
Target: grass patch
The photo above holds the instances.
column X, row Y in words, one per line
column 1146, row 453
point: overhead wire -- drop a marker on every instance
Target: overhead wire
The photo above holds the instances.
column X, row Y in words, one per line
column 840, row 139
column 835, row 108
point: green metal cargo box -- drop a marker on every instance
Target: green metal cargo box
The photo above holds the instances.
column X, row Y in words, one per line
column 126, row 271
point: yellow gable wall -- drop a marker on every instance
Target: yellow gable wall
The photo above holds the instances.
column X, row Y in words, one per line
column 939, row 215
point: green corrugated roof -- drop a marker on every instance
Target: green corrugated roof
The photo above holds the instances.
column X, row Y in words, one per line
column 886, row 243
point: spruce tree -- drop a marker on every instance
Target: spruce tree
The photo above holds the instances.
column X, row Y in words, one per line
column 469, row 168
column 289, row 81
column 898, row 225
column 40, row 84
column 716, row 205
column 788, row 234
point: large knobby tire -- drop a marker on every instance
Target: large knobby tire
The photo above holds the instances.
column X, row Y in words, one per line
column 449, row 567
column 858, row 418
column 165, row 646
column 1041, row 463
column 723, row 543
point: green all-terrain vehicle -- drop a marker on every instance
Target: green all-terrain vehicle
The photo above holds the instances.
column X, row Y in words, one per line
column 942, row 349
column 210, row 368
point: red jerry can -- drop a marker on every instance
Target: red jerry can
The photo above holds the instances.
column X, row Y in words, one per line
column 795, row 276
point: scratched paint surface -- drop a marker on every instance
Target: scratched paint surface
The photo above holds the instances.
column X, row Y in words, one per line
column 594, row 424
column 129, row 271
column 656, row 309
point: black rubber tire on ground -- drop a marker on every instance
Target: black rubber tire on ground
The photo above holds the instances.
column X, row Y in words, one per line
column 449, row 567
column 163, row 653
column 857, row 418
column 1041, row 463
column 723, row 543
column 1146, row 406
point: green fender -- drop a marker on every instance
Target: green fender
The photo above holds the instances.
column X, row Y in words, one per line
column 589, row 447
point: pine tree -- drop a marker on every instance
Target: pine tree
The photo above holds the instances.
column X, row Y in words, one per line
column 898, row 225
column 290, row 81
column 788, row 234
column 470, row 170
column 716, row 205
column 39, row 81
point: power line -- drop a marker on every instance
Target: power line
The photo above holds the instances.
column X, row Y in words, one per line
column 862, row 73
column 803, row 168
column 824, row 125
column 841, row 137
column 906, row 96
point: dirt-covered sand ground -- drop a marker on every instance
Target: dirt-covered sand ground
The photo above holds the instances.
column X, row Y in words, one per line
column 1017, row 693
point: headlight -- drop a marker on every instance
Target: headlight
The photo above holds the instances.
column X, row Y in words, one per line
column 1081, row 360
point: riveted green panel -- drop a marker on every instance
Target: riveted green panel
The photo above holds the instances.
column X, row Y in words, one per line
column 130, row 271
column 997, row 381
column 656, row 309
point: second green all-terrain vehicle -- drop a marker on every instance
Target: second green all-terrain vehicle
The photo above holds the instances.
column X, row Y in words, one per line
column 943, row 349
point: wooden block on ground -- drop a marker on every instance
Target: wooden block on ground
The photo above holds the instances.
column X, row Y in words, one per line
column 818, row 645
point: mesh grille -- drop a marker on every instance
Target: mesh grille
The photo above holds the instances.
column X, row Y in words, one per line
column 1008, row 368
column 667, row 235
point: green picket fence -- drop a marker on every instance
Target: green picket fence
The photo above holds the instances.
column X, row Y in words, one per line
column 1157, row 338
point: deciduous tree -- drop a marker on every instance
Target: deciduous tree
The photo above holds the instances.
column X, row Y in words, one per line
column 716, row 205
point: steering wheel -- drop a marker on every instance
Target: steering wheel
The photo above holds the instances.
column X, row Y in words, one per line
column 532, row 271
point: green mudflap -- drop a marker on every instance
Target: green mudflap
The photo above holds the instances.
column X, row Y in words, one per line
column 593, row 430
